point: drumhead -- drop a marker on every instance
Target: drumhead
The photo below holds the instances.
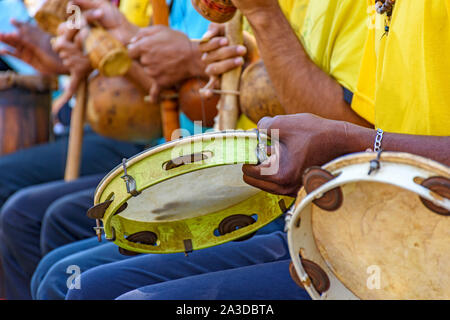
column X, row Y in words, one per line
column 189, row 194
column 193, row 194
column 382, row 242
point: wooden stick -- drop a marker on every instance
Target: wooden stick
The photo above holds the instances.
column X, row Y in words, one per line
column 76, row 135
column 160, row 12
column 229, row 103
column 169, row 107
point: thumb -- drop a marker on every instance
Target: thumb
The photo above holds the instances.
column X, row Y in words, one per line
column 265, row 124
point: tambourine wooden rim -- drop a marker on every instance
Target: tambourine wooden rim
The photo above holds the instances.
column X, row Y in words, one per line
column 347, row 169
column 191, row 233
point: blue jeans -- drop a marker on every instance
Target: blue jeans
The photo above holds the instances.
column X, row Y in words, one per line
column 105, row 274
column 31, row 223
column 264, row 281
column 49, row 281
column 47, row 162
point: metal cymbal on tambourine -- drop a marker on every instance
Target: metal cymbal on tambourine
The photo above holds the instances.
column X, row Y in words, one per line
column 186, row 195
column 359, row 233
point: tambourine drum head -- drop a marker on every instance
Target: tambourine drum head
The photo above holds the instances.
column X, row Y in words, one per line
column 189, row 193
column 382, row 242
column 385, row 228
column 197, row 193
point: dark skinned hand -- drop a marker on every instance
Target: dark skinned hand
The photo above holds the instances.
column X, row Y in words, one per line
column 305, row 140
column 108, row 16
column 32, row 45
column 167, row 56
column 68, row 45
column 221, row 57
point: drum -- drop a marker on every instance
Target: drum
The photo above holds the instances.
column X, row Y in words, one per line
column 218, row 11
column 186, row 195
column 25, row 103
column 365, row 227
column 258, row 98
column 116, row 108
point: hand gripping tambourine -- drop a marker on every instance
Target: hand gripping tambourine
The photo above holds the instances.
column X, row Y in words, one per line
column 378, row 235
column 185, row 195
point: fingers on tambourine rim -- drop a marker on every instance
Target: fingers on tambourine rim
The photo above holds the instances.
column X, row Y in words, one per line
column 265, row 185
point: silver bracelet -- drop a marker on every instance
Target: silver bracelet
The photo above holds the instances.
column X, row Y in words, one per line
column 378, row 139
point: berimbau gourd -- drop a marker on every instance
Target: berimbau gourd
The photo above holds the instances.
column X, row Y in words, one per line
column 257, row 97
column 218, row 11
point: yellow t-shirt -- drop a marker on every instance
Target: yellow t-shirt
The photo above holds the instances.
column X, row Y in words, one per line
column 294, row 10
column 333, row 35
column 404, row 81
column 138, row 12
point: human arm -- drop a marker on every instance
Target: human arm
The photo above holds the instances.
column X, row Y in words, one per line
column 168, row 57
column 32, row 45
column 307, row 140
column 301, row 86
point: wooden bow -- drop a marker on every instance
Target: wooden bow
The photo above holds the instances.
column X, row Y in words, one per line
column 169, row 107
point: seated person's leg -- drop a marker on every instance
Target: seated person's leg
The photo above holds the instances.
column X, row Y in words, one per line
column 58, row 254
column 111, row 280
column 265, row 281
column 82, row 256
column 66, row 221
column 20, row 226
column 46, row 162
column 35, row 165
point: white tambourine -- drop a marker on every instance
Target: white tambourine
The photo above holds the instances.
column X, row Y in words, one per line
column 378, row 235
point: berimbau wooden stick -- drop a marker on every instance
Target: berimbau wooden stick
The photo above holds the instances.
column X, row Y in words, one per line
column 160, row 12
column 76, row 134
column 169, row 107
column 229, row 102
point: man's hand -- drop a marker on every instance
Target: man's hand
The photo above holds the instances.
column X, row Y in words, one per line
column 168, row 57
column 305, row 140
column 68, row 45
column 32, row 45
column 109, row 17
column 221, row 57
